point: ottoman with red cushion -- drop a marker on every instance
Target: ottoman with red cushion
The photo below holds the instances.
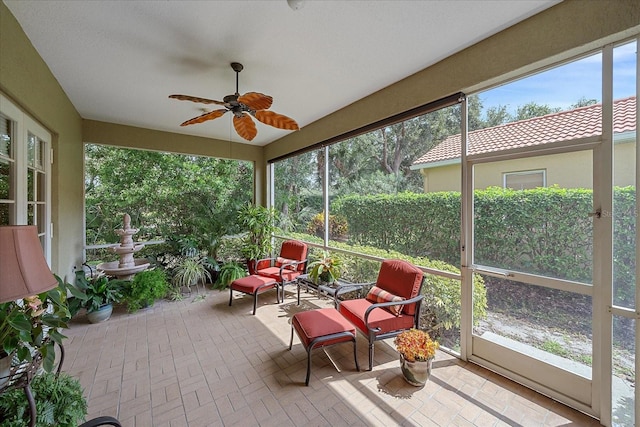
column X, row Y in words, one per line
column 253, row 285
column 321, row 328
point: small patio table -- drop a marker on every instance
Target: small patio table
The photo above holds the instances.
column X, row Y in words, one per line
column 334, row 290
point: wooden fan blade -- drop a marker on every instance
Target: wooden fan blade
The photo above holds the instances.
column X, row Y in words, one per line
column 276, row 120
column 256, row 100
column 204, row 117
column 245, row 126
column 196, row 99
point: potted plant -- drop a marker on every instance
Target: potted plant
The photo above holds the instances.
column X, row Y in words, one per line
column 259, row 222
column 145, row 288
column 100, row 294
column 229, row 272
column 23, row 324
column 58, row 398
column 326, row 269
column 417, row 350
column 191, row 271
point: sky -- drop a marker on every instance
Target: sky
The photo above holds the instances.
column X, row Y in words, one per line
column 563, row 86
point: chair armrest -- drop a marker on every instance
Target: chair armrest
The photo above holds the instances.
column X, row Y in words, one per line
column 413, row 300
column 291, row 264
column 102, row 421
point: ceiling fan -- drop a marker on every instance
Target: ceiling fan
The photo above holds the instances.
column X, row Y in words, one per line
column 243, row 107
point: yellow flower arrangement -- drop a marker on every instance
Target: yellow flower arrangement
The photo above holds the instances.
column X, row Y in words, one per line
column 416, row 345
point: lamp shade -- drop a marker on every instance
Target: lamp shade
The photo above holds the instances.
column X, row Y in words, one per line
column 23, row 268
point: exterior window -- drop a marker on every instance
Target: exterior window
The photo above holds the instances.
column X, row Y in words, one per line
column 524, row 180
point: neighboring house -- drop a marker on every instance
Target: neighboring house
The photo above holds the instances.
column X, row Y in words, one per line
column 440, row 167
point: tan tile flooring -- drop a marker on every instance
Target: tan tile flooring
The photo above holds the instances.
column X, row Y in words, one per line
column 203, row 363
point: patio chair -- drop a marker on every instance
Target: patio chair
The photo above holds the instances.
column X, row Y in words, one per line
column 285, row 268
column 391, row 306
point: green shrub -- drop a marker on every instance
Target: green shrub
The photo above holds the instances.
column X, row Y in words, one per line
column 59, row 402
column 145, row 288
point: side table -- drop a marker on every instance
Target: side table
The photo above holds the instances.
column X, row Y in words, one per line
column 334, row 290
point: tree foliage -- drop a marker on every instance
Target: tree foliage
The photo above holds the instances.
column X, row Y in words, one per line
column 165, row 194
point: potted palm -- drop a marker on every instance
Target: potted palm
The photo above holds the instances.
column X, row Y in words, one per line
column 417, row 351
column 259, row 222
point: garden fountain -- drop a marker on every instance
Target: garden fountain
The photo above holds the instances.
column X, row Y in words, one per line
column 127, row 266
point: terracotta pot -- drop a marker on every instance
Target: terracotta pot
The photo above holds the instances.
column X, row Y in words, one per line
column 416, row 373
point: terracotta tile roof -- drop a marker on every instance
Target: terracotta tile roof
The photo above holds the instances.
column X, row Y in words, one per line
column 565, row 125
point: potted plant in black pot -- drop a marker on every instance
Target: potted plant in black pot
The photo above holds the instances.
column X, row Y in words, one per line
column 259, row 223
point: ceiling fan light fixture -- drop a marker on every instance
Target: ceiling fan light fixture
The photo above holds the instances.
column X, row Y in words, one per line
column 295, row 4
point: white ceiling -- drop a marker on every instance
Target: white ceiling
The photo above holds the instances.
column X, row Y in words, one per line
column 119, row 60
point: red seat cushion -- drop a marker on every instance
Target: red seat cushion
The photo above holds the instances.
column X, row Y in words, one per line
column 250, row 284
column 318, row 323
column 353, row 310
column 274, row 273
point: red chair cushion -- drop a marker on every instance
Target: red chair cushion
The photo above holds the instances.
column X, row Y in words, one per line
column 353, row 310
column 294, row 250
column 274, row 273
column 250, row 284
column 377, row 295
column 400, row 278
column 318, row 323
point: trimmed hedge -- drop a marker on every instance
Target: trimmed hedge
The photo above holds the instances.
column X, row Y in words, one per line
column 545, row 231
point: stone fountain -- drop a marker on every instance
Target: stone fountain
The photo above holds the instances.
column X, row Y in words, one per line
column 127, row 266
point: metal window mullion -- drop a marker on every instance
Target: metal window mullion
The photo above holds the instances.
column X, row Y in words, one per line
column 603, row 250
column 637, row 300
column 466, row 239
column 325, row 196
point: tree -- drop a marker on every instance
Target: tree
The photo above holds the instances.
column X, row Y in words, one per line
column 165, row 194
column 532, row 109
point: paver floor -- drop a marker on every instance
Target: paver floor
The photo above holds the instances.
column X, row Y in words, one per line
column 199, row 362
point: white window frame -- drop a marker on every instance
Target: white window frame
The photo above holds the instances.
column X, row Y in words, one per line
column 25, row 125
column 543, row 172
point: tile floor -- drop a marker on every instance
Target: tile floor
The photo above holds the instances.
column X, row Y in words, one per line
column 203, row 363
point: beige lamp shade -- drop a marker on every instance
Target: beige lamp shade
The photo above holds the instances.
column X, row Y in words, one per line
column 23, row 268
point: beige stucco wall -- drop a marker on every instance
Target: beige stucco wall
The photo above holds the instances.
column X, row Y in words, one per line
column 24, row 77
column 567, row 170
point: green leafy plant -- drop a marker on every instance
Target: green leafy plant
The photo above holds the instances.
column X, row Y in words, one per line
column 191, row 271
column 326, row 269
column 145, row 288
column 259, row 223
column 98, row 290
column 32, row 324
column 229, row 271
column 59, row 402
